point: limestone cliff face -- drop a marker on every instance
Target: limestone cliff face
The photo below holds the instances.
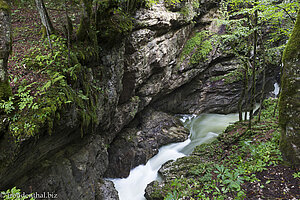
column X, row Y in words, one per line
column 289, row 111
column 140, row 76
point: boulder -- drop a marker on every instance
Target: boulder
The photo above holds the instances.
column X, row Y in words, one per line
column 135, row 146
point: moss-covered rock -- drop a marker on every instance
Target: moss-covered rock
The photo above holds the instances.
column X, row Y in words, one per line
column 197, row 48
column 289, row 107
column 4, row 5
column 5, row 90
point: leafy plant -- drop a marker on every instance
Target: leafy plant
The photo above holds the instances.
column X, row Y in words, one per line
column 173, row 196
column 37, row 104
column 15, row 194
column 296, row 175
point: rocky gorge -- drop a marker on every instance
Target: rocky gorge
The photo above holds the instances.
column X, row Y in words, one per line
column 145, row 79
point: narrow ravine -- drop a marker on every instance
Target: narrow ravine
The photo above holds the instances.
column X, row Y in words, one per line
column 203, row 128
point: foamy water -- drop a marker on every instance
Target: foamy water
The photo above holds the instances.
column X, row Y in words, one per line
column 203, row 128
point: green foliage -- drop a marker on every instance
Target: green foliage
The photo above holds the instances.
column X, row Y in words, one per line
column 197, row 48
column 275, row 20
column 172, row 3
column 296, row 175
column 113, row 26
column 173, row 196
column 213, row 177
column 15, row 194
column 45, row 58
column 231, row 77
column 230, row 180
column 36, row 105
column 202, row 170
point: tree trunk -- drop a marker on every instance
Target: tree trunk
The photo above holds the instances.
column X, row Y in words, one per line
column 69, row 30
column 264, row 79
column 252, row 100
column 44, row 16
column 84, row 31
column 5, row 48
column 244, row 90
column 289, row 104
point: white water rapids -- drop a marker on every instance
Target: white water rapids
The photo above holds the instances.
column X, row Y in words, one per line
column 203, row 128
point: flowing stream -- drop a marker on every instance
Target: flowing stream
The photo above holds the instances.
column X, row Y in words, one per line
column 203, row 129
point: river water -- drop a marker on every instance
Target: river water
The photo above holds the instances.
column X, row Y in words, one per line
column 203, row 128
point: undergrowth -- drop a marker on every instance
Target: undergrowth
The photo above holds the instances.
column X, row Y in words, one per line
column 37, row 104
column 15, row 194
column 228, row 162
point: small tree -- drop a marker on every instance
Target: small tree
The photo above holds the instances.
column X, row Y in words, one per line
column 256, row 32
column 47, row 24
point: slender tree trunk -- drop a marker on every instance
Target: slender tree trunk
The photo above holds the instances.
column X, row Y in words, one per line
column 246, row 90
column 44, row 16
column 247, row 65
column 264, row 79
column 253, row 70
column 69, row 30
column 84, row 30
column 48, row 27
column 240, row 103
column 5, row 48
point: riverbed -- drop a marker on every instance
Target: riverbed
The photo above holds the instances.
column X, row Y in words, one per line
column 203, row 129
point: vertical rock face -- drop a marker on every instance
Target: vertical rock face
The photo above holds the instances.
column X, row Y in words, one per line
column 5, row 47
column 136, row 144
column 289, row 110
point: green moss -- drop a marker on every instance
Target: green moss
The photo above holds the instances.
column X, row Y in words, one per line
column 4, row 5
column 113, row 26
column 5, row 90
column 172, row 3
column 231, row 77
column 197, row 48
column 85, row 31
column 289, row 105
column 68, row 85
column 43, row 31
column 292, row 49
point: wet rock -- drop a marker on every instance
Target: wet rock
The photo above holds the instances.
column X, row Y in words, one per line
column 150, row 191
column 107, row 191
column 210, row 91
column 135, row 146
column 72, row 173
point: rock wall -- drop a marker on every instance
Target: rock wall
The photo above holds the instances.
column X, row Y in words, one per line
column 141, row 139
